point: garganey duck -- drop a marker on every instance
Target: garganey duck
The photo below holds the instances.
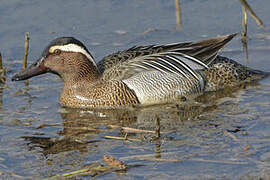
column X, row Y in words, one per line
column 139, row 75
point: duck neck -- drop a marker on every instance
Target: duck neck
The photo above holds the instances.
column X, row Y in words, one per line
column 85, row 72
column 88, row 72
column 86, row 76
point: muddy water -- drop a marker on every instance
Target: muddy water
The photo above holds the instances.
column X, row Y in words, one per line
column 224, row 134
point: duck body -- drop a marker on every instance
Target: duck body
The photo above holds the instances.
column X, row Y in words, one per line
column 140, row 75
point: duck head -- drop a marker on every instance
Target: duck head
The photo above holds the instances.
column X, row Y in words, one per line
column 64, row 56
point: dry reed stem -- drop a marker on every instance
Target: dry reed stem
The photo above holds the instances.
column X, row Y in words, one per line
column 131, row 130
column 151, row 157
column 1, row 64
column 47, row 125
column 157, row 130
column 87, row 129
column 26, row 48
column 2, row 71
column 178, row 14
column 244, row 33
column 121, row 138
column 217, row 161
column 245, row 48
column 252, row 13
column 244, row 23
column 160, row 159
column 92, row 170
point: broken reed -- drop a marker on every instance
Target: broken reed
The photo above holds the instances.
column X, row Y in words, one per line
column 2, row 71
column 26, row 48
column 252, row 13
column 244, row 23
column 1, row 64
column 178, row 14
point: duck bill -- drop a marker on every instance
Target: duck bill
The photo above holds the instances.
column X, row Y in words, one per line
column 35, row 69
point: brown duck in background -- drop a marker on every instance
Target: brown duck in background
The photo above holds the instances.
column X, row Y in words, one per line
column 140, row 75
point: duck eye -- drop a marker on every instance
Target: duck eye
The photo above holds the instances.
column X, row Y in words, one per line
column 57, row 51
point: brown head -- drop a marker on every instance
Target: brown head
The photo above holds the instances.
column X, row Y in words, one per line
column 66, row 57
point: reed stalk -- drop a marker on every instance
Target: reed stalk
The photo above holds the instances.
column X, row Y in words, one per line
column 178, row 14
column 26, row 48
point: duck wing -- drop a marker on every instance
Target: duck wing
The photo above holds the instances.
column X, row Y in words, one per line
column 183, row 58
column 164, row 62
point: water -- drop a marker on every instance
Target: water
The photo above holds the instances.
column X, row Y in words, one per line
column 225, row 134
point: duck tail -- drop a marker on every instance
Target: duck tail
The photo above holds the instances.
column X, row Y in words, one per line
column 205, row 50
column 258, row 74
column 215, row 46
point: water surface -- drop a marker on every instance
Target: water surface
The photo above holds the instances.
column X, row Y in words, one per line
column 225, row 134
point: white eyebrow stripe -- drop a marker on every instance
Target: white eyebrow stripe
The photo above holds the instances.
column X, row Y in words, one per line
column 73, row 48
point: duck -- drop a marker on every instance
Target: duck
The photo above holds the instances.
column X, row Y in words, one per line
column 140, row 75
